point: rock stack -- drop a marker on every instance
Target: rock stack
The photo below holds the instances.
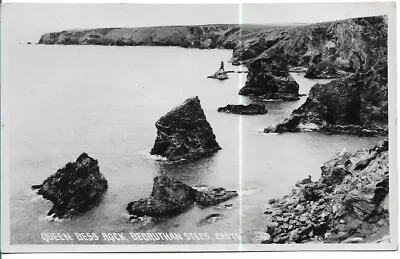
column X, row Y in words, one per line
column 73, row 188
column 221, row 74
column 184, row 133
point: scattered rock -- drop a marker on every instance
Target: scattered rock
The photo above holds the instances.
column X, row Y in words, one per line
column 249, row 109
column 347, row 204
column 74, row 188
column 184, row 133
column 263, row 237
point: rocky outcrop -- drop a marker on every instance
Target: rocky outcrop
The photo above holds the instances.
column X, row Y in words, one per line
column 167, row 198
column 249, row 109
column 184, row 133
column 221, row 74
column 170, row 197
column 327, row 50
column 73, row 188
column 269, row 78
column 357, row 104
column 348, row 204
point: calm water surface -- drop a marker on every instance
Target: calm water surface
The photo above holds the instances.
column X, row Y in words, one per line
column 65, row 100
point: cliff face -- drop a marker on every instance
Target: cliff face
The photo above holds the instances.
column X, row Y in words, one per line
column 326, row 50
column 203, row 37
column 357, row 104
column 348, row 204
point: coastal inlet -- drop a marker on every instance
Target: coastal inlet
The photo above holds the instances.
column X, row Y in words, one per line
column 108, row 110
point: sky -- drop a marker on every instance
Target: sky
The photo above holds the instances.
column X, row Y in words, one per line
column 27, row 22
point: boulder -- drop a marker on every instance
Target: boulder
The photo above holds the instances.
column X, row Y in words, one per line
column 184, row 133
column 221, row 74
column 73, row 188
column 249, row 109
column 168, row 198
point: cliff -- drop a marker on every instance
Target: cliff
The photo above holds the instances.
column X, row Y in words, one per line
column 344, row 49
column 348, row 204
column 199, row 36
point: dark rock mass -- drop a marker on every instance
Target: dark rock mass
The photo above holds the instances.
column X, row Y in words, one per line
column 167, row 198
column 184, row 133
column 249, row 109
column 170, row 197
column 269, row 78
column 356, row 104
column 74, row 188
column 348, row 204
column 221, row 74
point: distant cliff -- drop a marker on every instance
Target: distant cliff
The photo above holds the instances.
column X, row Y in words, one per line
column 199, row 36
column 335, row 49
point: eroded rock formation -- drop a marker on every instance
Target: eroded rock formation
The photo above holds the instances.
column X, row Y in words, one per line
column 221, row 74
column 74, row 188
column 356, row 104
column 184, row 133
column 170, row 197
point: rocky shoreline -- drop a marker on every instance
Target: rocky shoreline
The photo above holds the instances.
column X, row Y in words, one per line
column 348, row 204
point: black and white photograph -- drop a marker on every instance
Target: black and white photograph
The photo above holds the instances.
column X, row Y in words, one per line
column 198, row 127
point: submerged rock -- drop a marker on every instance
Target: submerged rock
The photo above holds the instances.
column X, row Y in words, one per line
column 221, row 74
column 244, row 109
column 170, row 197
column 210, row 219
column 213, row 196
column 184, row 133
column 348, row 204
column 73, row 188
